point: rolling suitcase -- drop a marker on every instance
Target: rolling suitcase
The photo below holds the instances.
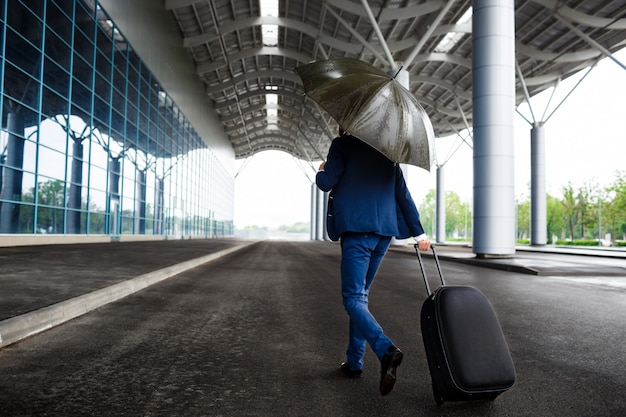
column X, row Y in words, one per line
column 467, row 353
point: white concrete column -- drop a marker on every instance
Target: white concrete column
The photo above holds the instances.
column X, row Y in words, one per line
column 441, row 207
column 313, row 226
column 493, row 93
column 321, row 214
column 538, row 210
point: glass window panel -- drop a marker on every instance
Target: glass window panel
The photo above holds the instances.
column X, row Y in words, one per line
column 51, row 163
column 84, row 114
column 83, row 19
column 103, row 88
column 117, row 122
column 97, row 222
column 104, row 41
column 20, row 87
column 51, row 192
column 24, row 20
column 59, row 22
column 25, row 118
column 132, row 95
column 98, row 179
column 83, row 46
column 144, row 104
column 82, row 71
column 57, row 50
column 20, row 52
column 29, row 162
column 131, row 113
column 120, row 57
column 99, row 161
column 101, row 112
column 36, row 7
column 103, row 64
column 134, row 61
column 65, row 7
column 119, row 80
column 132, row 76
column 55, row 77
column 50, row 220
column 144, row 87
column 28, row 186
column 52, row 103
column 81, row 95
column 26, row 218
column 118, row 102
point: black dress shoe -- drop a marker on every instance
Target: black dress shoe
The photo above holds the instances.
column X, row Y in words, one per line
column 388, row 366
column 349, row 372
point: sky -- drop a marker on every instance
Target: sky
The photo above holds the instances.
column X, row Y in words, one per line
column 585, row 144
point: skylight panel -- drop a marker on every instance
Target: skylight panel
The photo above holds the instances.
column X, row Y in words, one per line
column 269, row 32
column 272, row 113
column 452, row 38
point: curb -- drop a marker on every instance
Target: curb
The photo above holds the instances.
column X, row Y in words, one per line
column 20, row 327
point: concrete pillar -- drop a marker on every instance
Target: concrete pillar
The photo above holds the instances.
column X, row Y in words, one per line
column 140, row 204
column 313, row 226
column 3, row 160
column 76, row 186
column 12, row 175
column 321, row 214
column 441, row 207
column 493, row 68
column 158, row 210
column 114, row 196
column 538, row 210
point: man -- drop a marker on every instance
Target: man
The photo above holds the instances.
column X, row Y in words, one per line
column 369, row 204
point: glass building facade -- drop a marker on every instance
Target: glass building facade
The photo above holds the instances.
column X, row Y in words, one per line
column 90, row 143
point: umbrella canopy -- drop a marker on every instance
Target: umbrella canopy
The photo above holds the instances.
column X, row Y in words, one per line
column 372, row 106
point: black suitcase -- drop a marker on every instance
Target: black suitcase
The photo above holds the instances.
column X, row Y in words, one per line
column 467, row 353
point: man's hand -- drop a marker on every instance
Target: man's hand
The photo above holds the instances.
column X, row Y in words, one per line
column 321, row 168
column 423, row 245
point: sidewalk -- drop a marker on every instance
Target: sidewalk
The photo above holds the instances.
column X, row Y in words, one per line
column 541, row 260
column 44, row 286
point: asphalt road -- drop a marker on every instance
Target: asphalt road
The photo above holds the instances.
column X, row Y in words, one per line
column 262, row 332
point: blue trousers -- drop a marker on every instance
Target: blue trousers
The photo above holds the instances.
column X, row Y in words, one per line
column 361, row 255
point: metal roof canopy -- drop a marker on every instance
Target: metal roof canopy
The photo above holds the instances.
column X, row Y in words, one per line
column 554, row 40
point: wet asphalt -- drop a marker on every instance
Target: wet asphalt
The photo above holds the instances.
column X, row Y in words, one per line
column 262, row 331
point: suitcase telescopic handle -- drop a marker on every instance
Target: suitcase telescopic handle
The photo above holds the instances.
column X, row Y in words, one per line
column 419, row 258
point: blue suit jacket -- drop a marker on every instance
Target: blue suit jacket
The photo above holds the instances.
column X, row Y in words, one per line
column 369, row 194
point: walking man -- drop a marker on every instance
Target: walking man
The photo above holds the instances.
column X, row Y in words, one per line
column 369, row 204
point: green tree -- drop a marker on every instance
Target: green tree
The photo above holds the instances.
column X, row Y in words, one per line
column 457, row 213
column 570, row 212
column 587, row 215
column 554, row 217
column 427, row 212
column 27, row 210
column 617, row 206
column 523, row 217
column 51, row 197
